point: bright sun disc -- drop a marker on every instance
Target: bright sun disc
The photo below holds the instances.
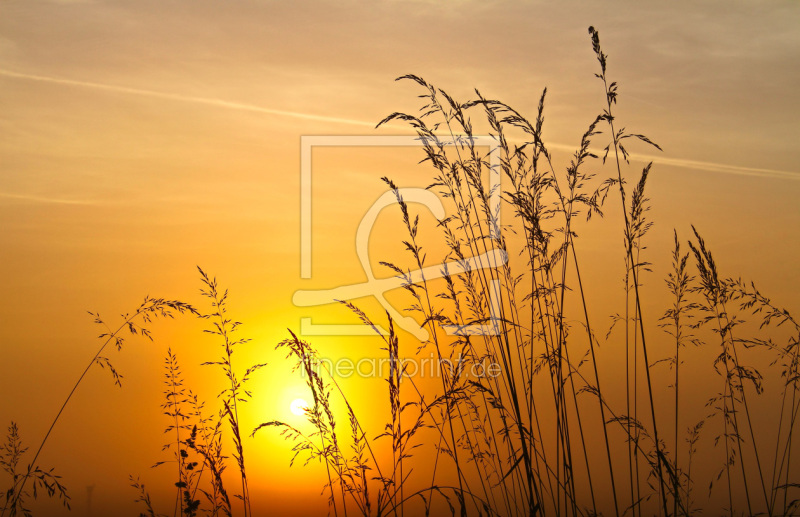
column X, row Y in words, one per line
column 298, row 407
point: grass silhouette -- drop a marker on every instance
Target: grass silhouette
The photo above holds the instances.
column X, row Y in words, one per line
column 547, row 432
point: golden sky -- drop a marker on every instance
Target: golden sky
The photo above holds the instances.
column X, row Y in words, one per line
column 139, row 139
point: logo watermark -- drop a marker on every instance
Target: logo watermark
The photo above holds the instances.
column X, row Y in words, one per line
column 420, row 368
column 377, row 287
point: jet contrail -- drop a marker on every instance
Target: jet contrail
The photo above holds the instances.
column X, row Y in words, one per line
column 695, row 164
column 185, row 98
column 718, row 167
column 49, row 200
column 676, row 162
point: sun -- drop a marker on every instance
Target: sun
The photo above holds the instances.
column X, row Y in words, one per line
column 298, row 407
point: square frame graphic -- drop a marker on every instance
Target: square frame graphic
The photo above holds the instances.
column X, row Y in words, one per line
column 307, row 144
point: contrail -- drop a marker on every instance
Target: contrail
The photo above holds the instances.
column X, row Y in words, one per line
column 185, row 98
column 718, row 167
column 697, row 165
column 675, row 162
column 48, row 200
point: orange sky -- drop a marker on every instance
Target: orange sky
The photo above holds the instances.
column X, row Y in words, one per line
column 141, row 138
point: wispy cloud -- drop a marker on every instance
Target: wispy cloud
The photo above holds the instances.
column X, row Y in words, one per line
column 719, row 167
column 47, row 200
column 698, row 165
column 219, row 103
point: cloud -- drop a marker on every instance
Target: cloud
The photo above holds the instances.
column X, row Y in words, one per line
column 697, row 165
column 719, row 167
column 46, row 200
column 220, row 103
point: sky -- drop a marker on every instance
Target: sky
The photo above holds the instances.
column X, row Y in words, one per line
column 140, row 139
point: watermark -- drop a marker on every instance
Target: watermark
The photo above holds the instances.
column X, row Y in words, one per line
column 377, row 287
column 420, row 368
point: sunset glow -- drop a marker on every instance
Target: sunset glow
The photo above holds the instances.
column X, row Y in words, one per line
column 206, row 180
column 298, row 407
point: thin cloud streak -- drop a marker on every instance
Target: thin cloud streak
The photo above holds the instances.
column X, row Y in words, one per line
column 698, row 165
column 47, row 200
column 718, row 167
column 184, row 98
column 675, row 162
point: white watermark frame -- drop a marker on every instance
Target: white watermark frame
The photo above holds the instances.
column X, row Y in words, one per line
column 376, row 287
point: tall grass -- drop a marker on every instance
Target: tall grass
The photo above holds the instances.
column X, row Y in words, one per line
column 133, row 324
column 556, row 427
column 234, row 394
column 199, row 439
column 515, row 451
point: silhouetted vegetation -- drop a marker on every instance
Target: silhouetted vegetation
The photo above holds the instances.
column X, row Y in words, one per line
column 550, row 432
